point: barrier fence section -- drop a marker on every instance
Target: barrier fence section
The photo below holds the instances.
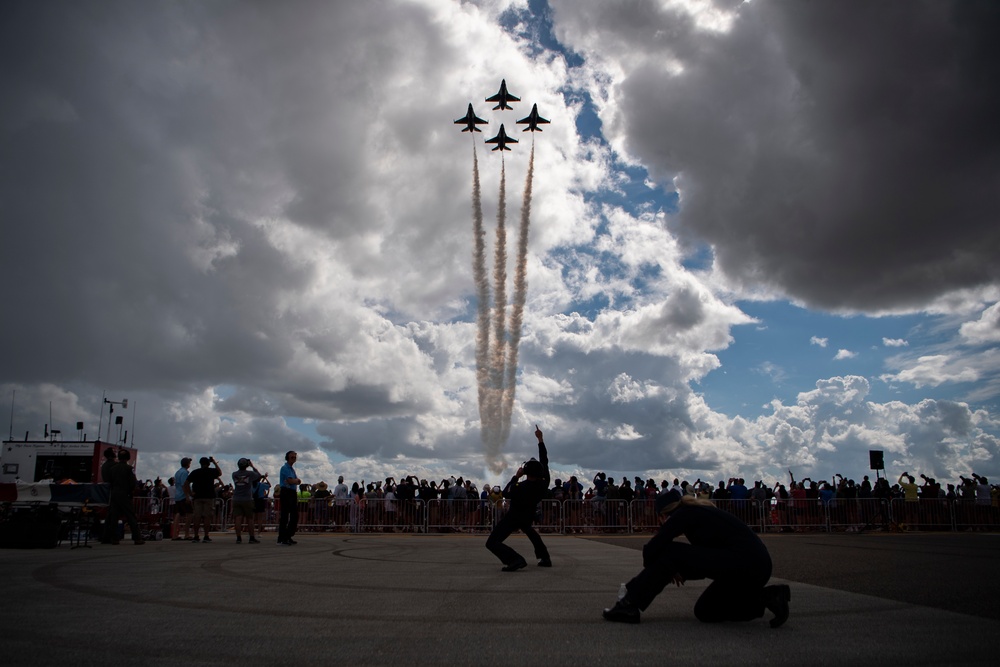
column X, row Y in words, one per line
column 974, row 514
column 858, row 514
column 460, row 516
column 550, row 517
column 479, row 516
column 748, row 511
column 796, row 514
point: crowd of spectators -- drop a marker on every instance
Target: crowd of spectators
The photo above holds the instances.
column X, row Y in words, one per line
column 973, row 488
column 389, row 502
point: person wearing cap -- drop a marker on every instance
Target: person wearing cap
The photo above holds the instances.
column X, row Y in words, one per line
column 243, row 505
column 182, row 505
column 524, row 497
column 721, row 548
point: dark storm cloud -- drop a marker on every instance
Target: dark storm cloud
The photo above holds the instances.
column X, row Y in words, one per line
column 845, row 153
column 145, row 149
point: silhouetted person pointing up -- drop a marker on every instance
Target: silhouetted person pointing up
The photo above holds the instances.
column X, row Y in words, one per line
column 524, row 497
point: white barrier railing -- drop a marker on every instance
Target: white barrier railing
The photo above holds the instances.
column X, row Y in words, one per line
column 601, row 517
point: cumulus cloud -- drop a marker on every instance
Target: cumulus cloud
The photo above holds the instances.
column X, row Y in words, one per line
column 985, row 330
column 894, row 342
column 844, row 354
column 821, row 342
column 933, row 370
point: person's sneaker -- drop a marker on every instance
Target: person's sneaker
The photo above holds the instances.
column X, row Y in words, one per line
column 196, row 540
column 254, row 540
column 206, row 539
column 291, row 541
column 515, row 566
column 284, row 544
column 239, row 540
column 776, row 599
column 544, row 562
column 623, row 612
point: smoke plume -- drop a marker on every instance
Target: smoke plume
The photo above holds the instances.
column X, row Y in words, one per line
column 496, row 341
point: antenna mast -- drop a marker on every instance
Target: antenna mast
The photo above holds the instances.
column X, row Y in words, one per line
column 13, row 393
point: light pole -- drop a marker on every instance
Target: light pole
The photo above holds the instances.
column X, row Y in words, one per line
column 111, row 410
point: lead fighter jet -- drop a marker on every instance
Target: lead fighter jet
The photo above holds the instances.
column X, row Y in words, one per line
column 501, row 140
column 471, row 120
column 503, row 97
column 533, row 120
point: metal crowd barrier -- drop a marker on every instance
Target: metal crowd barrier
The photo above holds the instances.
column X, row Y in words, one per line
column 460, row 516
column 477, row 516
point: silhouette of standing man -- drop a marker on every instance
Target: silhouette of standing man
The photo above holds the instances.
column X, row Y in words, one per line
column 288, row 491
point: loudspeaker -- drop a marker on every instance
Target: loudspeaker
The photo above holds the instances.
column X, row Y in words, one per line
column 875, row 459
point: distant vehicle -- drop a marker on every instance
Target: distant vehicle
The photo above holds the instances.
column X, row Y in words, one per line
column 503, row 97
column 31, row 461
column 533, row 120
column 501, row 140
column 471, row 120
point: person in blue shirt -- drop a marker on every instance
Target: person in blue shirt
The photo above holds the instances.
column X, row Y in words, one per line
column 289, row 482
column 737, row 489
column 182, row 504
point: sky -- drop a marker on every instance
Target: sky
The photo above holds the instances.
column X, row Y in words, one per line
column 763, row 235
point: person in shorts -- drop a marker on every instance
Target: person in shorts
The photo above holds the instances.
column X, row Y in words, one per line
column 200, row 486
column 244, row 481
column 182, row 502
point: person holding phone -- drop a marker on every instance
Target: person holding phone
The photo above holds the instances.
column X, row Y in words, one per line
column 199, row 487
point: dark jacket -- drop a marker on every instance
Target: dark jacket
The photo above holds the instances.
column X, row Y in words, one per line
column 706, row 527
column 524, row 496
column 122, row 478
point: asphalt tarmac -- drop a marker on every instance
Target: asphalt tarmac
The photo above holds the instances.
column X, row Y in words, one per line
column 915, row 599
column 954, row 571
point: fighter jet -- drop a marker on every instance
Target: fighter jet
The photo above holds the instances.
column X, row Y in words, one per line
column 501, row 140
column 471, row 119
column 503, row 97
column 533, row 120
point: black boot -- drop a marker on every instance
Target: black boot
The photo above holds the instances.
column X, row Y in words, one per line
column 624, row 611
column 776, row 599
column 515, row 566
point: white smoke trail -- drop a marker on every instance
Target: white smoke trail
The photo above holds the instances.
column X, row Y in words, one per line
column 520, row 296
column 482, row 294
column 498, row 342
